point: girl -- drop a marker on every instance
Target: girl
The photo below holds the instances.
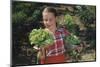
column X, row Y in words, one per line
column 55, row 52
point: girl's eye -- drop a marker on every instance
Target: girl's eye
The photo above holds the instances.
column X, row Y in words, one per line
column 45, row 19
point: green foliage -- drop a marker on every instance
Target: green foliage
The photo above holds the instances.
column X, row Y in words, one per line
column 75, row 56
column 19, row 17
column 26, row 12
column 36, row 15
column 40, row 37
column 87, row 14
column 72, row 39
column 69, row 24
column 68, row 20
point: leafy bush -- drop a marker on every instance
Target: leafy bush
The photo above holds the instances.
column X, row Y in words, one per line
column 72, row 39
column 70, row 25
column 36, row 15
column 87, row 14
column 19, row 17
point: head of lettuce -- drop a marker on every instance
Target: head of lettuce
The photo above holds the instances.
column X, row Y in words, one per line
column 41, row 37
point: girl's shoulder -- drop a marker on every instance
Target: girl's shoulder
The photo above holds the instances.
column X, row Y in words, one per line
column 64, row 31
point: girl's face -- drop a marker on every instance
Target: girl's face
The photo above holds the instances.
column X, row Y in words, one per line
column 49, row 19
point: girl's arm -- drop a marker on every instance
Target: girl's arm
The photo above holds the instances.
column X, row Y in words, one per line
column 41, row 55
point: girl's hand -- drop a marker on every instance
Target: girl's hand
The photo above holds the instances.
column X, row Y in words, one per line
column 41, row 53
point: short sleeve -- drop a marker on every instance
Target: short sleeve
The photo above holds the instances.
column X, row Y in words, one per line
column 64, row 32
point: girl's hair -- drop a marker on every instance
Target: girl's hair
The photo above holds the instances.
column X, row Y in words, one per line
column 50, row 9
